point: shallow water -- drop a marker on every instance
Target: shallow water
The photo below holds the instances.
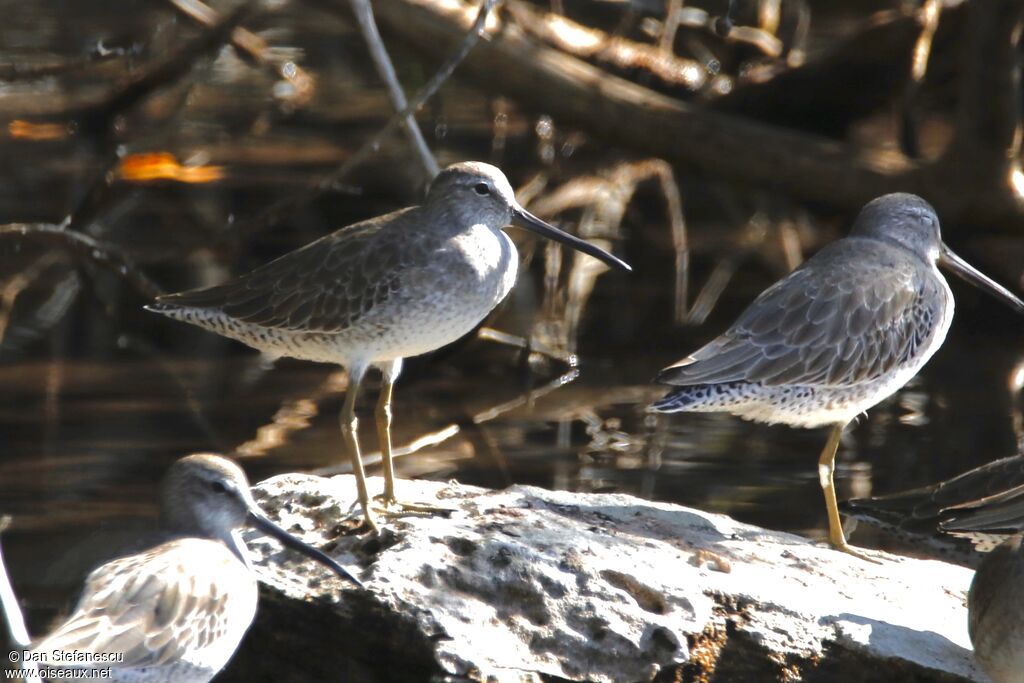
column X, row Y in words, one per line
column 94, row 408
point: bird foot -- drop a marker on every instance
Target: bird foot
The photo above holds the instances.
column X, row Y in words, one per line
column 389, row 502
column 369, row 519
column 389, row 507
column 845, row 547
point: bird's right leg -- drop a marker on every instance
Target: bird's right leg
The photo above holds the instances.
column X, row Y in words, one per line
column 389, row 373
column 349, row 431
column 826, row 469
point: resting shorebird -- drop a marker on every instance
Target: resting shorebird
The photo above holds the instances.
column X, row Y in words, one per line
column 995, row 609
column 959, row 520
column 176, row 612
column 842, row 332
column 381, row 290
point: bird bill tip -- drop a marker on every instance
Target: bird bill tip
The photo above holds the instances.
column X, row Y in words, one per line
column 949, row 259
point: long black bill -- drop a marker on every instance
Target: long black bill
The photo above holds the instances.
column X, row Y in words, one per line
column 258, row 520
column 968, row 272
column 524, row 219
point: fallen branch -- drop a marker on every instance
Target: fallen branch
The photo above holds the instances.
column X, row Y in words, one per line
column 95, row 112
column 801, row 165
column 107, row 256
column 254, row 49
column 612, row 51
column 814, row 97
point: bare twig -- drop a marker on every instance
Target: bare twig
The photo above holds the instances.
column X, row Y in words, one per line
column 929, row 17
column 724, row 27
column 986, row 138
column 96, row 110
column 608, row 195
column 670, row 26
column 16, row 284
column 160, row 73
column 106, row 255
column 250, row 46
column 875, row 55
column 276, row 211
column 796, row 49
column 364, row 15
column 528, row 345
column 612, row 51
column 804, row 166
column 435, row 438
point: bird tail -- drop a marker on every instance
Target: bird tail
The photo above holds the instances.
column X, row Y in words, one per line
column 679, row 399
column 168, row 308
column 705, row 398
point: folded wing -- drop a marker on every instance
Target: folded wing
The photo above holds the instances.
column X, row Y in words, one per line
column 326, row 286
column 834, row 322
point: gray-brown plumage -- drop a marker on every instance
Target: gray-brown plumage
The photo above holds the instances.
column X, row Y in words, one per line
column 995, row 608
column 176, row 613
column 958, row 520
column 381, row 290
column 842, row 332
column 858, row 311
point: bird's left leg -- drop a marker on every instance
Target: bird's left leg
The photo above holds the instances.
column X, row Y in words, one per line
column 826, row 468
column 389, row 373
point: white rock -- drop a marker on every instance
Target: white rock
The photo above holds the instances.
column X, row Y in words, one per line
column 525, row 582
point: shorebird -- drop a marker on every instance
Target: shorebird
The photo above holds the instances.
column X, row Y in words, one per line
column 958, row 520
column 176, row 612
column 995, row 612
column 378, row 291
column 995, row 602
column 840, row 333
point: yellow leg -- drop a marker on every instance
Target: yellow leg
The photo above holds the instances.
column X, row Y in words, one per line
column 826, row 468
column 349, row 431
column 383, row 418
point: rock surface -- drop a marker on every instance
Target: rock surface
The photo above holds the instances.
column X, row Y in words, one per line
column 526, row 584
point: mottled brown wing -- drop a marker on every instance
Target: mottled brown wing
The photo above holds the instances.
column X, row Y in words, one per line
column 839, row 320
column 325, row 286
column 147, row 607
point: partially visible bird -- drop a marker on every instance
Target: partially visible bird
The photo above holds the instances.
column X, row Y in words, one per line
column 840, row 333
column 378, row 291
column 176, row 613
column 995, row 612
column 958, row 520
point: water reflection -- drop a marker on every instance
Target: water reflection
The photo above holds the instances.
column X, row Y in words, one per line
column 88, row 438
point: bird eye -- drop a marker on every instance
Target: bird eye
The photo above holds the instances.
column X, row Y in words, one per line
column 218, row 487
column 482, row 189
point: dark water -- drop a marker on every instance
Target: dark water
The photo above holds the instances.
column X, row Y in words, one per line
column 97, row 400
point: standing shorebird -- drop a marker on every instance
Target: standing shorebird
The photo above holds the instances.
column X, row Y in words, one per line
column 177, row 611
column 842, row 332
column 381, row 290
